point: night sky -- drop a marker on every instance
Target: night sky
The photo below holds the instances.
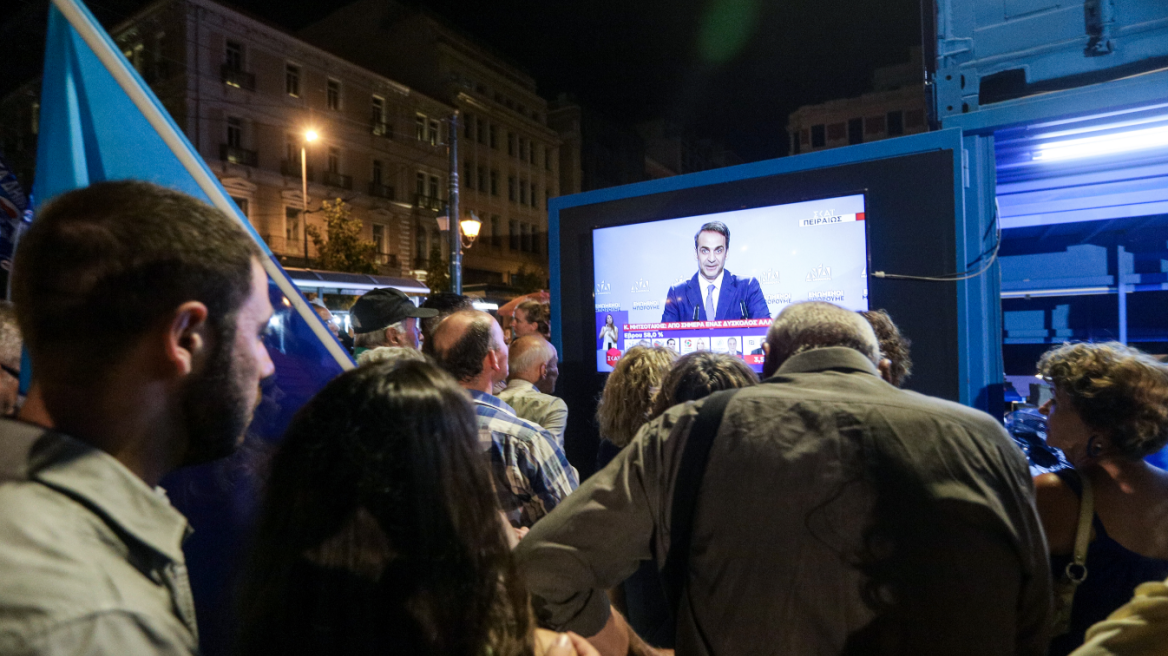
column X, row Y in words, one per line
column 726, row 69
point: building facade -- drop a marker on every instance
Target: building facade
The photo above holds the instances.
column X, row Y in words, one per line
column 895, row 107
column 509, row 157
column 245, row 94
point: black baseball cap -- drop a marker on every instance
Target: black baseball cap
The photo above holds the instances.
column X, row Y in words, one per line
column 384, row 307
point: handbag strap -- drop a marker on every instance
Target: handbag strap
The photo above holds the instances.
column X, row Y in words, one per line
column 690, row 472
column 1076, row 570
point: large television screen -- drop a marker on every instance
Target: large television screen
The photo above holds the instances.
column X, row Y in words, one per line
column 714, row 281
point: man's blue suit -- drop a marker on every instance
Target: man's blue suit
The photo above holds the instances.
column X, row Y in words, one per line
column 683, row 298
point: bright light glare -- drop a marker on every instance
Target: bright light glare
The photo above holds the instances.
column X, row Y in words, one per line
column 311, row 136
column 1110, row 144
column 471, row 227
column 481, row 305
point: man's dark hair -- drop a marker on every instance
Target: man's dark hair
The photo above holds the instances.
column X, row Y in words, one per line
column 447, row 303
column 102, row 265
column 713, row 226
column 464, row 358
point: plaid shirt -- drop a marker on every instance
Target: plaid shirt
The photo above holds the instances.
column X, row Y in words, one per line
column 531, row 473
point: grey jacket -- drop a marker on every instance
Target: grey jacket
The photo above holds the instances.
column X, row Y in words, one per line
column 91, row 557
column 816, row 479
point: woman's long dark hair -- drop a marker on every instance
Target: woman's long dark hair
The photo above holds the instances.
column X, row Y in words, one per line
column 381, row 531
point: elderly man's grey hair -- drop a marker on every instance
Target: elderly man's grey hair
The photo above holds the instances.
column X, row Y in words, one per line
column 528, row 352
column 377, row 338
column 805, row 326
column 395, row 354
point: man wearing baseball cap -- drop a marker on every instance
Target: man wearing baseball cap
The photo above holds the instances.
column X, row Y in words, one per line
column 386, row 317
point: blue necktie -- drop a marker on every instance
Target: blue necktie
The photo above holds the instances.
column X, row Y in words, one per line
column 710, row 303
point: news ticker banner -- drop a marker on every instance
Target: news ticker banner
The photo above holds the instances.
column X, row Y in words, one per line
column 742, row 338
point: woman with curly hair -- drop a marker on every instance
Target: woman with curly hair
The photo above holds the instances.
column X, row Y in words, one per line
column 628, row 396
column 1109, row 411
column 381, row 533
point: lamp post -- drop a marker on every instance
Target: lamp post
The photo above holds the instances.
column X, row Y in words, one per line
column 309, row 137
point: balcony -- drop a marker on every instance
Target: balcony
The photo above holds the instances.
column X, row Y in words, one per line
column 381, row 191
column 424, row 202
column 237, row 155
column 334, row 179
column 291, row 168
column 382, row 129
column 236, row 78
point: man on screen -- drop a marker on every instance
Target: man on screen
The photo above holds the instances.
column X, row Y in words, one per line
column 714, row 294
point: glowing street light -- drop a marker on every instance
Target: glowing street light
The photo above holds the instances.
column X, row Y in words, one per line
column 309, row 137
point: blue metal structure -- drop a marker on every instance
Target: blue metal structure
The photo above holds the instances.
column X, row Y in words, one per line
column 989, row 50
column 978, row 335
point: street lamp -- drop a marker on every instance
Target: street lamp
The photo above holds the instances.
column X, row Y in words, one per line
column 309, row 137
column 469, row 229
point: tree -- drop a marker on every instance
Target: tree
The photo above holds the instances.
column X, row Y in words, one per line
column 437, row 270
column 526, row 281
column 343, row 249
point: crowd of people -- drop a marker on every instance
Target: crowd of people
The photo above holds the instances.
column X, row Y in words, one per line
column 422, row 502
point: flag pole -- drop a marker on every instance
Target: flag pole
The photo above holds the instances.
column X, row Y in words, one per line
column 93, row 35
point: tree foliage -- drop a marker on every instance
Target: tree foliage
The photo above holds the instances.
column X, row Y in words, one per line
column 343, row 249
column 527, row 282
column 437, row 270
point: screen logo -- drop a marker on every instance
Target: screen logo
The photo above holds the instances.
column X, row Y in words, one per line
column 608, row 307
column 819, row 273
column 778, row 299
column 603, row 288
column 646, row 305
column 769, row 277
column 829, row 217
column 640, row 286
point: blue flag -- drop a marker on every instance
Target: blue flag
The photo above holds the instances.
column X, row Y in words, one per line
column 100, row 121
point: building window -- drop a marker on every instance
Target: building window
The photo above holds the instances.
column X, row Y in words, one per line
column 818, row 136
column 420, row 127
column 379, row 238
column 855, row 131
column 531, row 154
column 241, row 203
column 234, row 132
column 468, row 128
column 377, row 116
column 494, row 183
column 895, row 123
column 377, row 171
column 422, row 253
column 291, row 227
column 420, row 183
column 522, row 148
column 511, row 188
column 494, row 137
column 533, row 194
column 233, row 57
column 433, row 186
column 837, row 131
column 525, row 237
column 134, row 56
column 805, row 137
column 513, row 234
column 468, row 174
column 334, row 94
column 511, row 143
column 482, row 178
column 292, row 80
column 433, row 135
column 535, row 240
column 874, row 125
column 914, row 118
column 547, row 159
column 479, row 134
column 334, row 160
column 523, row 192
column 496, row 236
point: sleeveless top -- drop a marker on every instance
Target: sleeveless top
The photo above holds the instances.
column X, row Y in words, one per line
column 1113, row 572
